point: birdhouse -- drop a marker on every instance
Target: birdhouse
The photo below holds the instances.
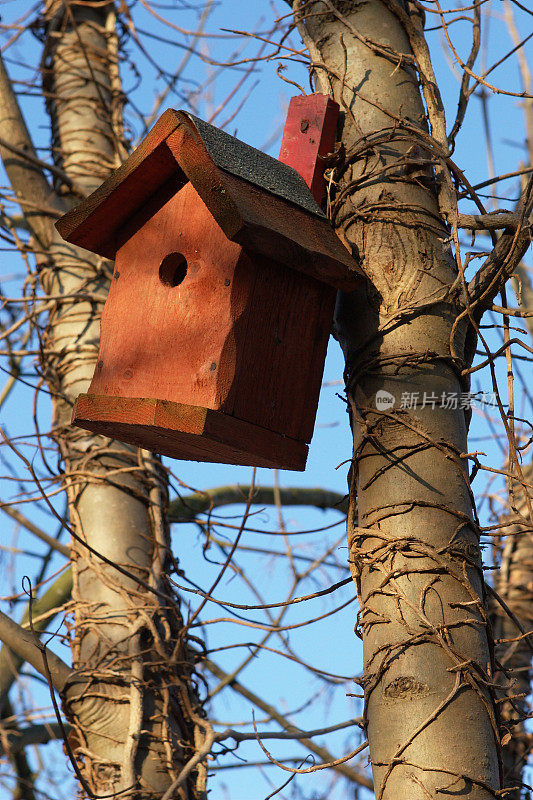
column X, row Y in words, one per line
column 214, row 333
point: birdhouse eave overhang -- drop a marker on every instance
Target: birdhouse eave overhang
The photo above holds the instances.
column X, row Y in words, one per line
column 259, row 202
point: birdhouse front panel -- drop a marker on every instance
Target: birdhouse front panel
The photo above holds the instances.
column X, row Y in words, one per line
column 175, row 274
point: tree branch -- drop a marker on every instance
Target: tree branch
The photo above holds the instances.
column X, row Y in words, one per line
column 185, row 509
column 240, row 736
column 54, row 598
column 17, row 756
column 33, row 734
column 24, row 646
column 30, row 526
column 505, row 256
column 320, row 76
column 496, row 220
column 38, row 162
column 26, row 176
column 272, row 712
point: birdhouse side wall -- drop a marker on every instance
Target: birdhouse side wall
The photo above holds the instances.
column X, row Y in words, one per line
column 281, row 348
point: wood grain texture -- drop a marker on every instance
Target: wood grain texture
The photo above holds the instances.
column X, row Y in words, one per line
column 242, row 335
column 93, row 223
column 273, row 228
column 223, row 359
column 265, row 223
column 282, row 349
column 167, row 342
column 187, row 432
column 308, row 137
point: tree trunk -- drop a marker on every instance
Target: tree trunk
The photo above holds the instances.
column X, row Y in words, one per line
column 513, row 651
column 132, row 704
column 414, row 549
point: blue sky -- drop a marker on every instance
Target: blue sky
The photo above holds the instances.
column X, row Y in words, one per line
column 330, row 643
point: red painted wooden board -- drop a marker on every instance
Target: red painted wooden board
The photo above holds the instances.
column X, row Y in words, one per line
column 190, row 432
column 173, row 152
column 167, row 341
column 308, row 137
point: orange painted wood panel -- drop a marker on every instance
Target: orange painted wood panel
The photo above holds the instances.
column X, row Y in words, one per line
column 94, row 221
column 265, row 223
column 186, row 432
column 239, row 334
column 281, row 355
column 273, row 227
column 248, row 214
column 173, row 342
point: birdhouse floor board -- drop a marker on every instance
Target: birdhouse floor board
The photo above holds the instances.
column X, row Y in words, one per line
column 214, row 333
column 187, row 432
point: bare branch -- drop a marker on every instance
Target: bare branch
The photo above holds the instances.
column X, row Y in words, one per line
column 51, row 600
column 185, row 509
column 497, row 220
column 504, row 258
column 239, row 736
column 23, row 643
column 25, row 174
column 273, row 713
column 30, row 526
column 38, row 162
column 33, row 734
column 25, row 778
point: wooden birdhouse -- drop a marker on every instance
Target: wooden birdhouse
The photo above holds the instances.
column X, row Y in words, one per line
column 214, row 333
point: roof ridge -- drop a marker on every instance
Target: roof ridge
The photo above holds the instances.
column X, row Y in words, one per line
column 258, row 168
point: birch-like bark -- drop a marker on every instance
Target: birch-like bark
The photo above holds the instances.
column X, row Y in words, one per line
column 514, row 584
column 514, row 580
column 134, row 717
column 131, row 705
column 414, row 543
